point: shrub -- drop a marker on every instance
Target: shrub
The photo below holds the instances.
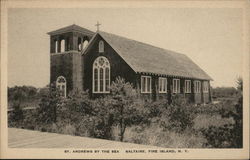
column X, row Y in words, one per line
column 75, row 112
column 16, row 115
column 69, row 129
column 48, row 106
column 177, row 118
column 102, row 119
column 157, row 136
column 204, row 121
column 228, row 135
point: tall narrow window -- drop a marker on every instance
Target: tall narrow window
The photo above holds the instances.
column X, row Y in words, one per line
column 63, row 45
column 187, row 86
column 67, row 45
column 101, row 46
column 101, row 75
column 176, row 85
column 95, row 80
column 61, row 85
column 145, row 84
column 197, row 86
column 162, row 85
column 107, row 79
column 56, row 46
column 79, row 42
column 205, row 87
column 79, row 47
column 84, row 44
column 101, row 80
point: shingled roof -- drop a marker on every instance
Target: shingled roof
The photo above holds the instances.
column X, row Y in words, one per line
column 145, row 58
column 72, row 28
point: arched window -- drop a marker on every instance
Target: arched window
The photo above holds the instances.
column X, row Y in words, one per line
column 101, row 46
column 61, row 85
column 63, row 45
column 56, row 46
column 101, row 75
column 79, row 44
column 85, row 43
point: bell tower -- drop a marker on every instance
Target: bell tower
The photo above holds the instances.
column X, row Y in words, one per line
column 66, row 61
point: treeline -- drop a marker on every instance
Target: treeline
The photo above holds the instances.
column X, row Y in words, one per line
column 222, row 92
column 25, row 93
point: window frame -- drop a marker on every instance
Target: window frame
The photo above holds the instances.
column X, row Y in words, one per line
column 188, row 87
column 205, row 87
column 62, row 45
column 101, row 46
column 146, row 84
column 197, row 86
column 105, row 78
column 161, row 84
column 178, row 87
column 56, row 46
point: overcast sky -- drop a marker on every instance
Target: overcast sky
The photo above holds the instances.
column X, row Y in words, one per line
column 211, row 37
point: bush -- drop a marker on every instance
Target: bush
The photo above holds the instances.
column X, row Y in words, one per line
column 156, row 136
column 102, row 119
column 75, row 114
column 228, row 136
column 16, row 115
column 204, row 121
column 175, row 117
column 48, row 106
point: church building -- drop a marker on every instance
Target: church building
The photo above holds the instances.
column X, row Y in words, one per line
column 85, row 60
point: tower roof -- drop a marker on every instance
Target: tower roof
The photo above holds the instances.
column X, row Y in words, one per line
column 72, row 28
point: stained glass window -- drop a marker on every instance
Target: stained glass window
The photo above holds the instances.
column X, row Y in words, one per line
column 101, row 76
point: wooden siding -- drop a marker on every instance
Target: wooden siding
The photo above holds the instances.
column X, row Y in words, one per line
column 155, row 95
column 118, row 66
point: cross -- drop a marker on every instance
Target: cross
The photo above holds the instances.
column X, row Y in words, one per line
column 97, row 25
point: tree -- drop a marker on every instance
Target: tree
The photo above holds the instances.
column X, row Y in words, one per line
column 21, row 93
column 49, row 104
column 126, row 108
column 239, row 82
column 17, row 95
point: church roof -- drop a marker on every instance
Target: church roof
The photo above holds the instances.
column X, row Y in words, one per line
column 72, row 28
column 145, row 58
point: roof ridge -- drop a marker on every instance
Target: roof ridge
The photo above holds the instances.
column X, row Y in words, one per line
column 142, row 43
column 74, row 27
column 139, row 57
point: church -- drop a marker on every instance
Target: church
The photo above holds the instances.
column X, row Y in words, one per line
column 86, row 60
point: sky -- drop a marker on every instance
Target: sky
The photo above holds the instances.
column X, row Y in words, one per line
column 211, row 37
